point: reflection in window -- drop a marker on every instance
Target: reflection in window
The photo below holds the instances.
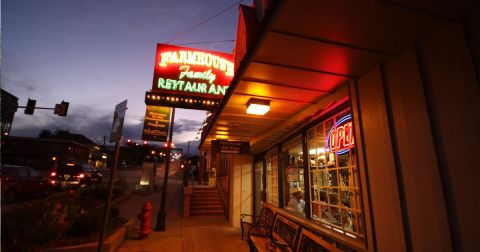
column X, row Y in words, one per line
column 335, row 189
column 271, row 159
column 292, row 156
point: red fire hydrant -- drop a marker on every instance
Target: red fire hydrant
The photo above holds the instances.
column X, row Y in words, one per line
column 145, row 218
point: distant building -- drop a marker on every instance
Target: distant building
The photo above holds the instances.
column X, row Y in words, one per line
column 45, row 153
column 132, row 155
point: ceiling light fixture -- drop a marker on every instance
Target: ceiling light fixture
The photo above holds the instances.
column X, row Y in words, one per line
column 258, row 106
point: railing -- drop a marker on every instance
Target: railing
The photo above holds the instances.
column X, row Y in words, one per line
column 223, row 193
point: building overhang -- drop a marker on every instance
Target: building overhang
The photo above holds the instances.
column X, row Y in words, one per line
column 303, row 54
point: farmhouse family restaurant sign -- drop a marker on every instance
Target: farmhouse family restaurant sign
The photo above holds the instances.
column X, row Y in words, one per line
column 187, row 76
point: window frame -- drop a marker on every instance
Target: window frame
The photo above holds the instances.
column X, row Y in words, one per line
column 341, row 110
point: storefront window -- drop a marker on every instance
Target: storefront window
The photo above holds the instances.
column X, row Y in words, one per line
column 335, row 189
column 271, row 159
column 292, row 156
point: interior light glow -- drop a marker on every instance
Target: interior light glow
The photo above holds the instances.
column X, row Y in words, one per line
column 144, row 182
column 258, row 106
column 316, row 151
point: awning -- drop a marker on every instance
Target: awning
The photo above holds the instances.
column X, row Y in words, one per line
column 306, row 50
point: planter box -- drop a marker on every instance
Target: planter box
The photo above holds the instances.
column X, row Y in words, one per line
column 110, row 245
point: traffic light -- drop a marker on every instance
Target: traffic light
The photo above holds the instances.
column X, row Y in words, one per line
column 61, row 109
column 30, row 107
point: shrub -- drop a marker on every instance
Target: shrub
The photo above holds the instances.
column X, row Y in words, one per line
column 31, row 226
column 91, row 221
column 74, row 213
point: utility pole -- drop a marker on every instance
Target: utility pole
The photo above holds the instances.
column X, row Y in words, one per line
column 160, row 226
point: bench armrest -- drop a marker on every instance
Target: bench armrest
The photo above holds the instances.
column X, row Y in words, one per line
column 260, row 230
column 254, row 217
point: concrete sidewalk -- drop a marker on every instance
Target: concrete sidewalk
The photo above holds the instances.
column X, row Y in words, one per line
column 198, row 233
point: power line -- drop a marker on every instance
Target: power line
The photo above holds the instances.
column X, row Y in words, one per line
column 203, row 22
column 208, row 42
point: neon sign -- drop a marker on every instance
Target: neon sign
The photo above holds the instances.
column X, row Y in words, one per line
column 197, row 58
column 340, row 137
column 192, row 72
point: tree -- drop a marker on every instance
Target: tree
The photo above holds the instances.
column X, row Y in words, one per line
column 45, row 134
column 60, row 133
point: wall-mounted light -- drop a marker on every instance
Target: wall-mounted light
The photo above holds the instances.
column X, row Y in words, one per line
column 258, row 106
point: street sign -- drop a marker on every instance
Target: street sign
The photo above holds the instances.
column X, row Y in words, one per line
column 8, row 109
column 118, row 118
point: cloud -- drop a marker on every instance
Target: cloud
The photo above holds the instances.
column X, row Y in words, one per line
column 193, row 150
column 186, row 125
column 80, row 120
column 95, row 125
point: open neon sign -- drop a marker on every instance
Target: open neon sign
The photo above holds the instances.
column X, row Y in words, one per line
column 340, row 137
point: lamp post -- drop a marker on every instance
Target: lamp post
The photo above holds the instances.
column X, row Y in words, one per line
column 160, row 226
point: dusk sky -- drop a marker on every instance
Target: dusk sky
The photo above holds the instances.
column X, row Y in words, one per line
column 97, row 53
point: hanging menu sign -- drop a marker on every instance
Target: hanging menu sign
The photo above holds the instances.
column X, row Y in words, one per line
column 156, row 124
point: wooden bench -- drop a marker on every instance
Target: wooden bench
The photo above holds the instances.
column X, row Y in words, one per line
column 283, row 238
column 287, row 235
column 310, row 242
column 260, row 225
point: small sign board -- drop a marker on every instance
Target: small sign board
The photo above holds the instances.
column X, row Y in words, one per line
column 118, row 118
column 230, row 147
column 156, row 124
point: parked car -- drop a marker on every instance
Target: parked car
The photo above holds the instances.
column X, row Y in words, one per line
column 23, row 181
column 71, row 174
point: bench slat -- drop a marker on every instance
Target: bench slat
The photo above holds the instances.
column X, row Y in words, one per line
column 310, row 242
